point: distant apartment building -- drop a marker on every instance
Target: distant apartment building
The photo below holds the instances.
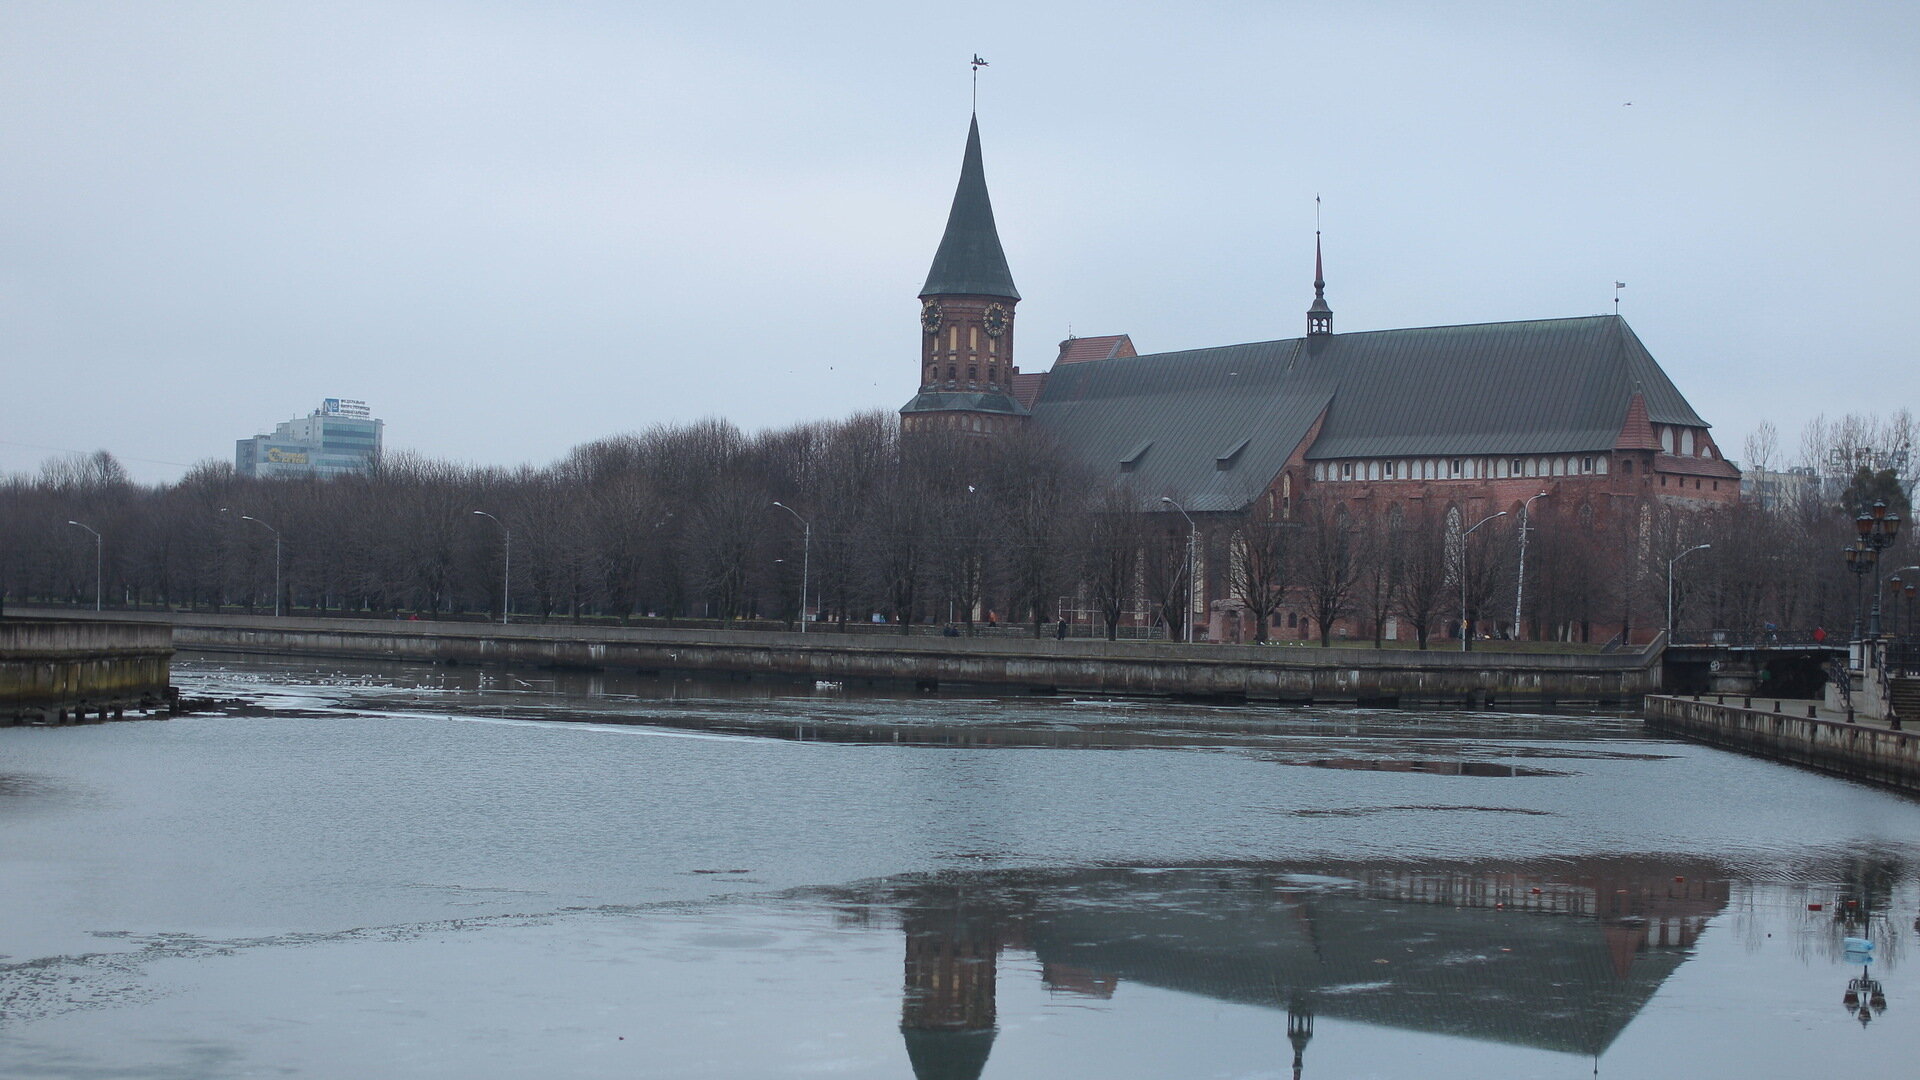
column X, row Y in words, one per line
column 341, row 436
column 1793, row 487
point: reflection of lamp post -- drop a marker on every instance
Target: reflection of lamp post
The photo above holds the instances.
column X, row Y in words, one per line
column 1670, row 563
column 1299, row 1032
column 1520, row 584
column 1466, row 635
column 1866, row 995
column 806, row 558
column 1191, row 530
column 96, row 564
column 1878, row 530
column 506, row 573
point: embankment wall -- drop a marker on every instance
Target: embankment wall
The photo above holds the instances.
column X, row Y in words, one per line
column 1229, row 672
column 1858, row 751
column 63, row 667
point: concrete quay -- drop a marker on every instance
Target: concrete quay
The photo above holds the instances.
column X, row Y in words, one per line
column 1795, row 730
column 67, row 671
column 1128, row 668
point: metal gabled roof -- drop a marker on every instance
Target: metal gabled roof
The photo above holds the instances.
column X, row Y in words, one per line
column 1179, row 417
column 1540, row 386
column 964, row 401
column 970, row 261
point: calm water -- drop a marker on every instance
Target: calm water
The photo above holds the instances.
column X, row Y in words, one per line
column 422, row 872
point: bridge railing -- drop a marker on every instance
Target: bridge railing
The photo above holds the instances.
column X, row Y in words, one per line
column 1758, row 639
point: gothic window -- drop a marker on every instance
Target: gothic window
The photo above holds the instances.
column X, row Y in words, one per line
column 1346, row 470
column 1627, row 466
column 1389, row 469
column 1454, row 467
column 952, row 372
column 993, row 373
column 973, row 373
column 1586, row 464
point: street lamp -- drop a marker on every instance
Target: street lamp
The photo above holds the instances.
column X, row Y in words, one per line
column 1466, row 636
column 506, row 573
column 1895, row 580
column 1670, row 563
column 1878, row 530
column 1192, row 530
column 96, row 564
column 1860, row 560
column 276, row 556
column 1520, row 585
column 806, row 558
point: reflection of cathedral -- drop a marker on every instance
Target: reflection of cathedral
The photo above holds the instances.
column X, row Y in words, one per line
column 1559, row 957
column 947, row 1006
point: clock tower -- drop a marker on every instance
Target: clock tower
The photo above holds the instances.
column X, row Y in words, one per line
column 966, row 365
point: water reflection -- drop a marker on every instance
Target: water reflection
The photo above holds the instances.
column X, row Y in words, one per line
column 1557, row 956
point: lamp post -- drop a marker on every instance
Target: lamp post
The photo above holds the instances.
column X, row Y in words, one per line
column 1191, row 531
column 276, row 555
column 1466, row 635
column 506, row 573
column 1670, row 564
column 1860, row 560
column 96, row 563
column 806, row 558
column 1895, row 580
column 1878, row 530
column 1520, row 585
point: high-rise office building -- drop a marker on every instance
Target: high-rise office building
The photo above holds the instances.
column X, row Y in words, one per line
column 341, row 436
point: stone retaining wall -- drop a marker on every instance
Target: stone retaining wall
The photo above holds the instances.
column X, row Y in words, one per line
column 1858, row 751
column 1228, row 672
column 61, row 668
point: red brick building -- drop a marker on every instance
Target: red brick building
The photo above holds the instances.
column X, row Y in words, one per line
column 1471, row 419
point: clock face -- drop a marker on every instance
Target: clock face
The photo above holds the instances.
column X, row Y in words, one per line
column 994, row 321
column 930, row 316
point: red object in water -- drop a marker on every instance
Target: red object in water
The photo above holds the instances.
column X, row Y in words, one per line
column 1815, row 907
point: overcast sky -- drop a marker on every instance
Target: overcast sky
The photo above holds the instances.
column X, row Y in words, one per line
column 516, row 227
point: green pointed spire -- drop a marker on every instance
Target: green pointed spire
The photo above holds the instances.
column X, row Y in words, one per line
column 970, row 262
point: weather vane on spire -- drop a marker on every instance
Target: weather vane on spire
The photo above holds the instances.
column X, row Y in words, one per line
column 977, row 65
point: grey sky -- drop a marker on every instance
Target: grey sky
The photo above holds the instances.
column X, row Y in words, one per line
column 513, row 228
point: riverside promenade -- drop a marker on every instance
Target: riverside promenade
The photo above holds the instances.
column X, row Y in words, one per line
column 1798, row 731
column 1290, row 674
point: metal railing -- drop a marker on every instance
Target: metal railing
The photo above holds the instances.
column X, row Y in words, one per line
column 1760, row 639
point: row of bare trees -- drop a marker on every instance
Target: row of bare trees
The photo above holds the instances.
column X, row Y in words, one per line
column 679, row 523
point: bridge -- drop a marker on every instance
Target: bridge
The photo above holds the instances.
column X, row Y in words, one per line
column 1769, row 663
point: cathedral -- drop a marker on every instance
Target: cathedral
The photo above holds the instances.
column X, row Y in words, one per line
column 1471, row 419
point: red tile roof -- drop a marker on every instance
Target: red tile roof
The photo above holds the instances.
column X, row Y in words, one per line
column 1026, row 387
column 1106, row 347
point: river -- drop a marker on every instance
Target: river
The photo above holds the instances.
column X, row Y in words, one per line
column 383, row 870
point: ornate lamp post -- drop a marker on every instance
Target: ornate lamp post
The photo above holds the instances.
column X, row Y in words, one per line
column 1878, row 530
column 806, row 558
column 1191, row 532
column 1860, row 560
